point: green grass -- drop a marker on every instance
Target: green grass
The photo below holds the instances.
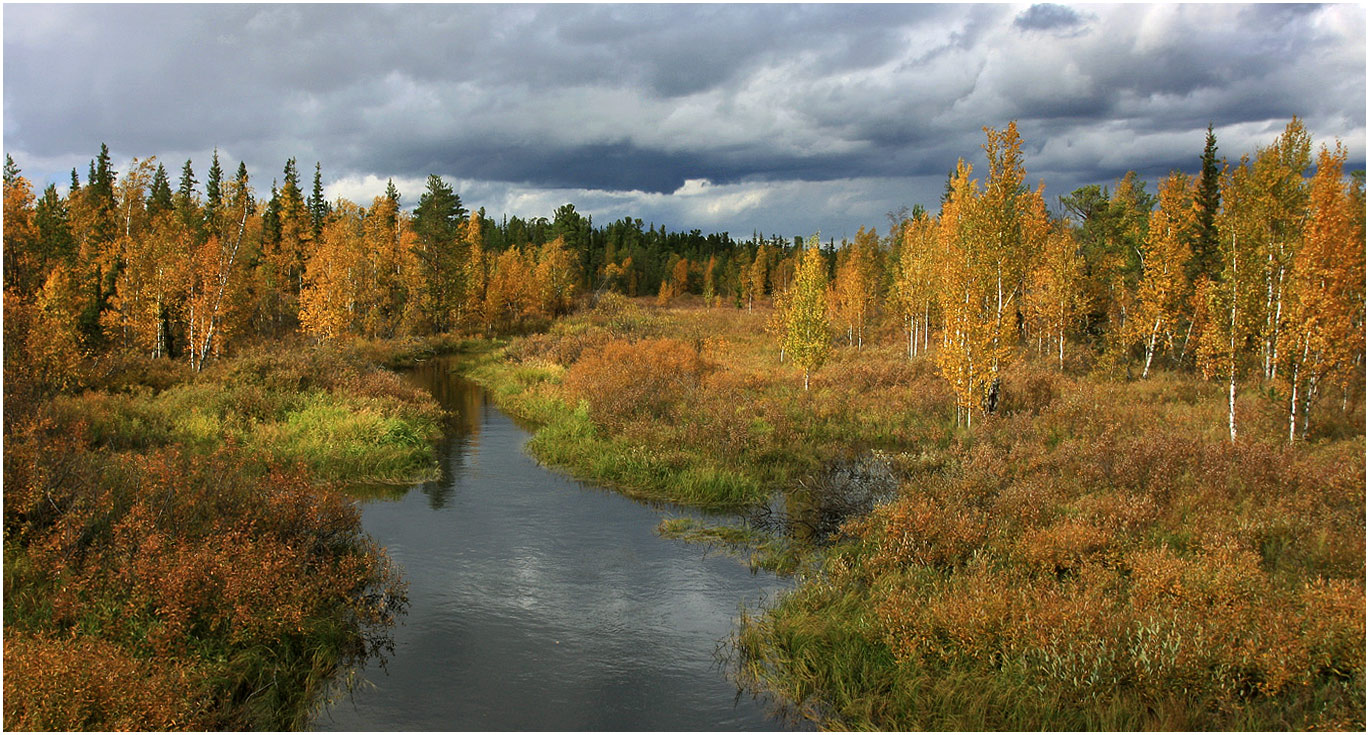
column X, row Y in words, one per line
column 564, row 436
column 338, row 433
column 758, row 549
column 339, row 441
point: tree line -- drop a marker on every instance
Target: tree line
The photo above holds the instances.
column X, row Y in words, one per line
column 1249, row 269
column 127, row 262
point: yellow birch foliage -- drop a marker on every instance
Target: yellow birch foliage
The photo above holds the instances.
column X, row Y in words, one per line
column 755, row 277
column 134, row 315
column 24, row 266
column 215, row 278
column 1057, row 296
column 1115, row 279
column 335, row 277
column 508, row 294
column 806, row 336
column 53, row 345
column 853, row 289
column 554, row 278
column 1014, row 222
column 987, row 241
column 477, row 268
column 1234, row 300
column 384, row 263
column 679, row 278
column 915, row 283
column 710, row 290
column 1278, row 209
column 782, row 275
column 777, row 324
column 1324, row 331
column 1162, row 297
column 153, row 281
column 967, row 331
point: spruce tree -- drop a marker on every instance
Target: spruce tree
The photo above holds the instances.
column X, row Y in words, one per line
column 241, row 180
column 159, row 197
column 52, row 219
column 186, row 191
column 213, row 191
column 270, row 219
column 1205, row 260
column 185, row 199
column 101, row 192
column 318, row 206
column 438, row 214
column 392, row 214
column 11, row 170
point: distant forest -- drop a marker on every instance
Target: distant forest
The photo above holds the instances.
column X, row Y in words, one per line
column 1250, row 267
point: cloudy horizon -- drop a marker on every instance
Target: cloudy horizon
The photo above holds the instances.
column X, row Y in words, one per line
column 786, row 119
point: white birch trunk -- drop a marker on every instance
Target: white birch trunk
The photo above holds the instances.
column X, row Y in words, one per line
column 1150, row 348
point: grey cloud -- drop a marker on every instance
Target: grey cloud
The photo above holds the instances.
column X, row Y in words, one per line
column 623, row 98
column 1048, row 16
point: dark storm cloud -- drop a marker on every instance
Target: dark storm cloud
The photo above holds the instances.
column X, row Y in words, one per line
column 777, row 108
column 1048, row 16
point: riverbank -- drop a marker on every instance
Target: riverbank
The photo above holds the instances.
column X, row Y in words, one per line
column 1095, row 556
column 180, row 550
column 540, row 603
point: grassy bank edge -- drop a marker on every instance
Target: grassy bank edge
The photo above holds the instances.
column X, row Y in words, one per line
column 565, row 439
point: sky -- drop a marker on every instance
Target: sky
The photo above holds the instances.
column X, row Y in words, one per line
column 782, row 119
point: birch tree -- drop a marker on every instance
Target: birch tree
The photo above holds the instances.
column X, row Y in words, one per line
column 335, row 282
column 853, row 289
column 1234, row 299
column 966, row 298
column 215, row 277
column 1278, row 207
column 807, row 339
column 915, row 283
column 1057, row 296
column 1162, row 295
column 1324, row 328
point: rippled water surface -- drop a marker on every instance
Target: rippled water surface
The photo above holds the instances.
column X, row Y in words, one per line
column 540, row 603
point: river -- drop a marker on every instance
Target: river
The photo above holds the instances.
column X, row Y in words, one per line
column 541, row 603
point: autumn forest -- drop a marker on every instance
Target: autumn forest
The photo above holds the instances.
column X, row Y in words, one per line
column 1119, row 437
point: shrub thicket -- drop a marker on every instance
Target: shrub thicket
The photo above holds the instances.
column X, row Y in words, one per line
column 177, row 555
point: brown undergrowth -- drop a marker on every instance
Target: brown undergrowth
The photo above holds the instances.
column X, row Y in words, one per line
column 180, row 555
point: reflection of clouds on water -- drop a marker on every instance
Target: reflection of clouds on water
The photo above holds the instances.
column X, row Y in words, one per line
column 537, row 603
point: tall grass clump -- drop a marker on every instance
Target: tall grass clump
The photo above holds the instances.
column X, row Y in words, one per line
column 340, row 418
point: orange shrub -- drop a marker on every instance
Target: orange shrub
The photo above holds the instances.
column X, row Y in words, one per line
column 83, row 683
column 1064, row 546
column 172, row 563
column 916, row 530
column 625, row 381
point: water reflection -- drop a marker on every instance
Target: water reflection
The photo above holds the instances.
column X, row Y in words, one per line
column 462, row 400
column 536, row 603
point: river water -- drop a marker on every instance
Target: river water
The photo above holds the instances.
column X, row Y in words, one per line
column 540, row 603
